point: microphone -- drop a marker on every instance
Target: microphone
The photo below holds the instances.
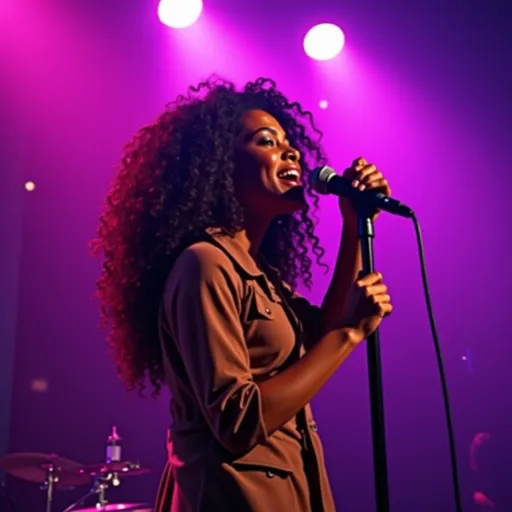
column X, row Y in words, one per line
column 325, row 181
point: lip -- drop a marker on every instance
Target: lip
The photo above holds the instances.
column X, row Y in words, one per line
column 292, row 167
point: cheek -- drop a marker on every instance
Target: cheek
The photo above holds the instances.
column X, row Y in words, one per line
column 256, row 168
column 266, row 175
column 267, row 166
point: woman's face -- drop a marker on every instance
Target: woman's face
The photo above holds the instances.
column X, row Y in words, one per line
column 267, row 169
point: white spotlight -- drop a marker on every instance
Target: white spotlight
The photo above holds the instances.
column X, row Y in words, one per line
column 324, row 41
column 179, row 13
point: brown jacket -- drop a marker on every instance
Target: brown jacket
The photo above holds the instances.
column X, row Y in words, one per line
column 224, row 326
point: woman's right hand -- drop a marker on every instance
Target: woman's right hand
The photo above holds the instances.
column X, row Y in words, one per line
column 368, row 302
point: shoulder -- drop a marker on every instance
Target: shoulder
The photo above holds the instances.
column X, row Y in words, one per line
column 203, row 262
column 203, row 257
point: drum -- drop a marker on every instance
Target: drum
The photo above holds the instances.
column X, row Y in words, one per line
column 114, row 507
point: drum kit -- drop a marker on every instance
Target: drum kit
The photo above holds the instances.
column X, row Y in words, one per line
column 53, row 473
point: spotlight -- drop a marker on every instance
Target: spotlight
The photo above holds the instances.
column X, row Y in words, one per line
column 323, row 104
column 30, row 186
column 324, row 41
column 179, row 13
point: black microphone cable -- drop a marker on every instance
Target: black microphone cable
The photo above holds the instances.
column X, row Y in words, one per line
column 440, row 364
column 325, row 180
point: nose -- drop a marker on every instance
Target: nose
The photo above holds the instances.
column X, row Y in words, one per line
column 291, row 155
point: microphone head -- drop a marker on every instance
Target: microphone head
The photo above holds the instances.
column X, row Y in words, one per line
column 320, row 177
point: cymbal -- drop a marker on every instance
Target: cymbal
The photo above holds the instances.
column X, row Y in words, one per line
column 122, row 468
column 111, row 507
column 34, row 468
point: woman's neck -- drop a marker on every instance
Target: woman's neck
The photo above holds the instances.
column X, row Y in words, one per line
column 251, row 237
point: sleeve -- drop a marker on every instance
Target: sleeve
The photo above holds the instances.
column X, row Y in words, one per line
column 309, row 315
column 202, row 301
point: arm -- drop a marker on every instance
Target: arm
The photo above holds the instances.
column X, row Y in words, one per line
column 316, row 320
column 203, row 305
column 290, row 390
column 348, row 266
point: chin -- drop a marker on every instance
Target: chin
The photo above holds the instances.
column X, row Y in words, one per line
column 293, row 200
column 295, row 195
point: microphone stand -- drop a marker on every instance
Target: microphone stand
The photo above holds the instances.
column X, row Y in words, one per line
column 366, row 235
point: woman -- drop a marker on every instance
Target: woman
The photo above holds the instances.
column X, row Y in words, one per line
column 205, row 236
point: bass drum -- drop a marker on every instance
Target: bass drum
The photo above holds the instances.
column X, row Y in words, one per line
column 114, row 507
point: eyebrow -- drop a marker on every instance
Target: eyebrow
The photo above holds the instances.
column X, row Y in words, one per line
column 250, row 135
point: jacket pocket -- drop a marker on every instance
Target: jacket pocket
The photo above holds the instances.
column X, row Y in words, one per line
column 264, row 461
column 271, row 476
column 265, row 487
column 270, row 470
column 259, row 307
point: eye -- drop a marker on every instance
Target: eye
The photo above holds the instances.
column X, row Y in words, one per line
column 266, row 141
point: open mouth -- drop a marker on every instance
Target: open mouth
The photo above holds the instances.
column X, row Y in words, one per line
column 291, row 176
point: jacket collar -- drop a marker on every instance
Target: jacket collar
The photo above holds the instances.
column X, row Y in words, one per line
column 244, row 261
column 233, row 248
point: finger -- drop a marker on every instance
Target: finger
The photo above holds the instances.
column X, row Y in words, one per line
column 350, row 174
column 381, row 298
column 374, row 177
column 369, row 280
column 365, row 171
column 376, row 182
column 381, row 186
column 385, row 309
column 376, row 289
column 370, row 177
column 366, row 175
column 360, row 162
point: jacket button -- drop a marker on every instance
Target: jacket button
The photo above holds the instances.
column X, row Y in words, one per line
column 271, row 474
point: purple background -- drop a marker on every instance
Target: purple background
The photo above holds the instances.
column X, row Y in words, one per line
column 421, row 89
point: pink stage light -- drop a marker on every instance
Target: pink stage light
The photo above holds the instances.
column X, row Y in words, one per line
column 324, row 41
column 179, row 13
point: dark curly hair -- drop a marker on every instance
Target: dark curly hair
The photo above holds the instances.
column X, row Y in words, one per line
column 175, row 180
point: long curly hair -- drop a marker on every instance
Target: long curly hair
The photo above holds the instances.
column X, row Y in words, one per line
column 175, row 180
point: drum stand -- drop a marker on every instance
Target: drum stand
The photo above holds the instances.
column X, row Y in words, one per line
column 52, row 478
column 100, row 487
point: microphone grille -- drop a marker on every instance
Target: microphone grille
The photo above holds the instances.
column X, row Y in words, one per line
column 320, row 177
